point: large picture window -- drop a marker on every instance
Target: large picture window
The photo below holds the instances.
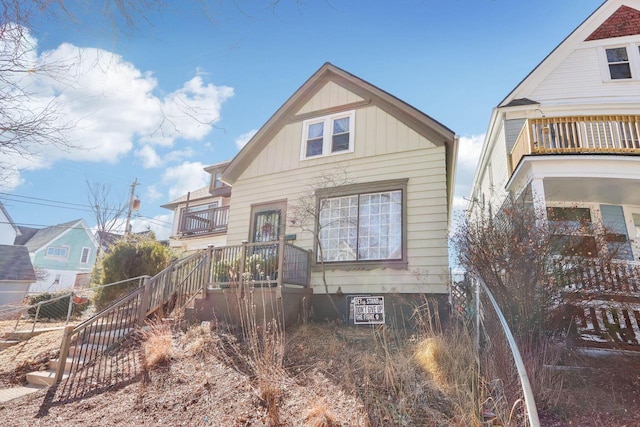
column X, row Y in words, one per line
column 363, row 226
column 328, row 135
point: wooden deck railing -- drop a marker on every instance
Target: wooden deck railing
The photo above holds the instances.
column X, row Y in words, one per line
column 577, row 134
column 204, row 221
column 260, row 264
column 250, row 264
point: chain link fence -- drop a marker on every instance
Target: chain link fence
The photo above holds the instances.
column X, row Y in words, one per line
column 506, row 394
column 46, row 311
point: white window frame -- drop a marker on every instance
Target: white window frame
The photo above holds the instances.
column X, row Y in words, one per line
column 82, row 256
column 327, row 135
column 65, row 247
column 633, row 55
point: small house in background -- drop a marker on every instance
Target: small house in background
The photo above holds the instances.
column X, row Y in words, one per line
column 59, row 253
column 16, row 273
column 200, row 217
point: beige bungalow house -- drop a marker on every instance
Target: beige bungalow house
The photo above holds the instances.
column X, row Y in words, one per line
column 357, row 177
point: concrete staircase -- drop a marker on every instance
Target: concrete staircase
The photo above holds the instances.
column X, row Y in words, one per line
column 92, row 346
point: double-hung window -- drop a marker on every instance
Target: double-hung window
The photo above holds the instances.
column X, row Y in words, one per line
column 84, row 257
column 572, row 231
column 618, row 62
column 328, row 135
column 360, row 223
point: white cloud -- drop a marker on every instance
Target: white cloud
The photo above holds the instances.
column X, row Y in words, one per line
column 188, row 176
column 159, row 224
column 242, row 140
column 106, row 105
column 152, row 194
column 468, row 155
column 190, row 112
column 150, row 158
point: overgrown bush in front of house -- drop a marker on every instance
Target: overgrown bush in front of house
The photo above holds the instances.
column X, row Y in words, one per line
column 56, row 310
column 129, row 258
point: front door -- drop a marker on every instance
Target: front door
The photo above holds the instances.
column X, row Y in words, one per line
column 267, row 222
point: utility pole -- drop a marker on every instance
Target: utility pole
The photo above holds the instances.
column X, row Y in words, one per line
column 127, row 228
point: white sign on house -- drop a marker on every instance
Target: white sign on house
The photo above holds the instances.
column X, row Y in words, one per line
column 368, row 310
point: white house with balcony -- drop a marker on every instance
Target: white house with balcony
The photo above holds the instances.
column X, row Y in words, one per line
column 200, row 217
column 567, row 136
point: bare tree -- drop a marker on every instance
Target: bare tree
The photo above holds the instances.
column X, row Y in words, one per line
column 306, row 214
column 29, row 122
column 108, row 212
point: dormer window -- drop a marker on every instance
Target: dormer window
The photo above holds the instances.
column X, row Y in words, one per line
column 328, row 135
column 217, row 180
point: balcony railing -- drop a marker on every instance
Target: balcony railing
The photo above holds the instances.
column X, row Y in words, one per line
column 577, row 134
column 206, row 221
column 263, row 264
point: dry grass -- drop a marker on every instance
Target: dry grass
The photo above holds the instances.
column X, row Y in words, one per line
column 320, row 416
column 157, row 344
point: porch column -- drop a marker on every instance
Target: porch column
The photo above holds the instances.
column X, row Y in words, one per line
column 539, row 202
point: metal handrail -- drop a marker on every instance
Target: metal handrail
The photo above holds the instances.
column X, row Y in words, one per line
column 532, row 411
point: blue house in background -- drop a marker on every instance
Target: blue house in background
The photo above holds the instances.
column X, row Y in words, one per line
column 63, row 255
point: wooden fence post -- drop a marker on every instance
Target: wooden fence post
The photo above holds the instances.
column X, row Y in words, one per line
column 64, row 352
column 279, row 282
column 243, row 261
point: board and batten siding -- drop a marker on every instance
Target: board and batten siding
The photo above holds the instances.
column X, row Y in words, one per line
column 384, row 149
column 330, row 95
column 578, row 79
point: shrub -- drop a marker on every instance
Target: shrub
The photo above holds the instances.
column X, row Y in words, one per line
column 55, row 310
column 129, row 258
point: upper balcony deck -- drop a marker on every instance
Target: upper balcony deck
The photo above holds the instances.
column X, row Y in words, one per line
column 605, row 134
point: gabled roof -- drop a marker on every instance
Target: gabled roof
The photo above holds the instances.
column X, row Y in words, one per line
column 433, row 130
column 199, row 194
column 623, row 16
column 15, row 264
column 6, row 214
column 44, row 236
column 25, row 234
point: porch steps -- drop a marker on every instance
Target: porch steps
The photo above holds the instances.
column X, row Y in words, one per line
column 90, row 348
column 43, row 378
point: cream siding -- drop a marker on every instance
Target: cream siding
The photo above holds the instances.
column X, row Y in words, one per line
column 329, row 96
column 376, row 133
column 426, row 211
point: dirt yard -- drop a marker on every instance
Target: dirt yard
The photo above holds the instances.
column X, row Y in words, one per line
column 323, row 375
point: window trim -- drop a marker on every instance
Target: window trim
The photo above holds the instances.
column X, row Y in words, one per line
column 67, row 248
column 633, row 56
column 86, row 261
column 358, row 189
column 327, row 135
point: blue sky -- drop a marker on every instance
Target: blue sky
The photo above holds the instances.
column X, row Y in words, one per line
column 234, row 63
